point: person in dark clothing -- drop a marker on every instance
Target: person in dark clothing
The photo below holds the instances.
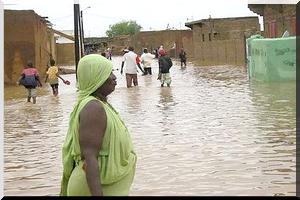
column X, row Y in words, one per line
column 182, row 56
column 165, row 63
column 103, row 54
column 156, row 53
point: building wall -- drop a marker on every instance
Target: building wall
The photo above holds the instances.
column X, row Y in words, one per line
column 65, row 54
column 150, row 40
column 61, row 39
column 278, row 19
column 44, row 45
column 18, row 43
column 230, row 52
column 65, row 49
column 167, row 38
column 25, row 38
column 222, row 41
column 117, row 44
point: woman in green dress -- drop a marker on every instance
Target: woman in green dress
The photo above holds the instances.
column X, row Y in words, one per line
column 98, row 155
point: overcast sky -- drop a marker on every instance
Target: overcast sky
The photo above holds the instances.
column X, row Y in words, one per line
column 151, row 14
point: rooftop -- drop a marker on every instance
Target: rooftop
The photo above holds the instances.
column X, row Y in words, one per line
column 190, row 24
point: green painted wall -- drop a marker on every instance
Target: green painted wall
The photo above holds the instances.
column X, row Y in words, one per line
column 271, row 59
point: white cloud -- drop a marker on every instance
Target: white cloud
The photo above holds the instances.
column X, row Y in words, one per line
column 154, row 15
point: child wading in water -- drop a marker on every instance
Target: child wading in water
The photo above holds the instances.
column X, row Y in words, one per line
column 52, row 76
column 30, row 80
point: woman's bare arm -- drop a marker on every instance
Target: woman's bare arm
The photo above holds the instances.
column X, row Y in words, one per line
column 92, row 126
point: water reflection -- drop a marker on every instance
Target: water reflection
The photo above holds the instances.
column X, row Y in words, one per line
column 148, row 80
column 276, row 114
column 213, row 132
column 165, row 104
column 276, row 107
column 166, row 97
column 132, row 100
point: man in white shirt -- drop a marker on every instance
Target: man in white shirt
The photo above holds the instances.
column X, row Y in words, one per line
column 146, row 61
column 132, row 61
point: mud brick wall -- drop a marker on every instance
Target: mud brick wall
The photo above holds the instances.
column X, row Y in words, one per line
column 65, row 54
column 284, row 16
column 222, row 41
column 26, row 37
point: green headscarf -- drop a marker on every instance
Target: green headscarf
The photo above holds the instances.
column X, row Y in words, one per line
column 93, row 70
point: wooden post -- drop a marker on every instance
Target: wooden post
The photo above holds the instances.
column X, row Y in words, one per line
column 81, row 35
column 76, row 34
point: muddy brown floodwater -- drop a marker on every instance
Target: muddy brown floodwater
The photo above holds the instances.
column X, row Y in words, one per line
column 213, row 132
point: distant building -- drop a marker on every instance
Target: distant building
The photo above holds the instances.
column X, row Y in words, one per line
column 221, row 41
column 277, row 18
column 61, row 39
column 65, row 47
column 96, row 44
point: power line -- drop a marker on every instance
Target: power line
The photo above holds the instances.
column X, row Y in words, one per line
column 104, row 16
column 63, row 17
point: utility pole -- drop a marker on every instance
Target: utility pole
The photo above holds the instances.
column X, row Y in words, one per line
column 81, row 35
column 76, row 35
column 82, row 31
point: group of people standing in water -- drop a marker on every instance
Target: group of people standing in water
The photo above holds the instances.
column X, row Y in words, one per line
column 132, row 61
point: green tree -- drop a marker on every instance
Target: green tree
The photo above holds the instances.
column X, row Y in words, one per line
column 123, row 28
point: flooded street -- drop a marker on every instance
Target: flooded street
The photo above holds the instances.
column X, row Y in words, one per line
column 213, row 132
